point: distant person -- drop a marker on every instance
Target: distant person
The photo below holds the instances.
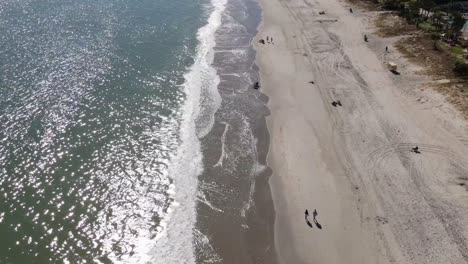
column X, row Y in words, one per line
column 416, row 150
column 350, row 10
column 271, row 40
column 268, row 40
column 262, row 41
column 315, row 214
column 386, row 48
column 365, row 38
column 256, row 85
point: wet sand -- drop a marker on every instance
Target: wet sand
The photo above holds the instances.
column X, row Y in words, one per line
column 377, row 201
column 235, row 214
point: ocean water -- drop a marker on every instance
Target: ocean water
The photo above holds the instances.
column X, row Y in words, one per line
column 102, row 104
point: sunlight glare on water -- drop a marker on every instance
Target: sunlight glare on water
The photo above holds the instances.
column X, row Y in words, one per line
column 90, row 110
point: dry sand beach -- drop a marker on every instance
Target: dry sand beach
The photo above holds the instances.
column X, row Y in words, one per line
column 377, row 201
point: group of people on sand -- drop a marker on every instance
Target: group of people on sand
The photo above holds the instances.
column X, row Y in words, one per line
column 314, row 219
column 269, row 40
column 336, row 103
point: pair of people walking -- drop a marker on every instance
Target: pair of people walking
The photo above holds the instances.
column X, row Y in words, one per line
column 314, row 219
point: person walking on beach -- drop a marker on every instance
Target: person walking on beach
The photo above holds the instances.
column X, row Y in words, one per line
column 314, row 214
column 386, row 48
column 271, row 39
column 306, row 216
column 268, row 40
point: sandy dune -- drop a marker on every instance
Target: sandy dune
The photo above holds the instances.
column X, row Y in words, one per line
column 376, row 200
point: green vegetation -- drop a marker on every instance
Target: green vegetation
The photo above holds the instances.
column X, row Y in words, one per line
column 435, row 36
column 438, row 46
column 457, row 50
column 461, row 68
column 441, row 19
column 427, row 26
column 433, row 18
column 457, row 25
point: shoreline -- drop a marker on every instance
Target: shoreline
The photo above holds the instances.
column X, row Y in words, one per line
column 349, row 162
column 234, row 208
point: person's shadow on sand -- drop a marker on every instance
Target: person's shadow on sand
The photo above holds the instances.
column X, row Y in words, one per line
column 315, row 214
column 319, row 226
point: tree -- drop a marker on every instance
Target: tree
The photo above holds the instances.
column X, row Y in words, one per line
column 426, row 5
column 413, row 10
column 457, row 24
column 392, row 4
column 437, row 19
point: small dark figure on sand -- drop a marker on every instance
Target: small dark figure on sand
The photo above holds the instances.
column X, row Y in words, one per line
column 271, row 40
column 312, row 82
column 306, row 216
column 256, row 85
column 268, row 39
column 350, row 10
column 365, row 38
column 416, row 150
column 314, row 215
column 336, row 103
column 386, row 48
column 262, row 41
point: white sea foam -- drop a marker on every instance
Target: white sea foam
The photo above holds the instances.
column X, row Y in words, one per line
column 204, row 75
column 175, row 244
column 223, row 142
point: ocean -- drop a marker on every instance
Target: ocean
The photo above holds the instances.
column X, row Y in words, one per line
column 110, row 117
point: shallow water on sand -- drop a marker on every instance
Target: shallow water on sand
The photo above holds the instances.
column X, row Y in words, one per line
column 235, row 213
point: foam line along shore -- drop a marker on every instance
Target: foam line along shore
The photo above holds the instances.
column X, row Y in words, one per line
column 235, row 213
